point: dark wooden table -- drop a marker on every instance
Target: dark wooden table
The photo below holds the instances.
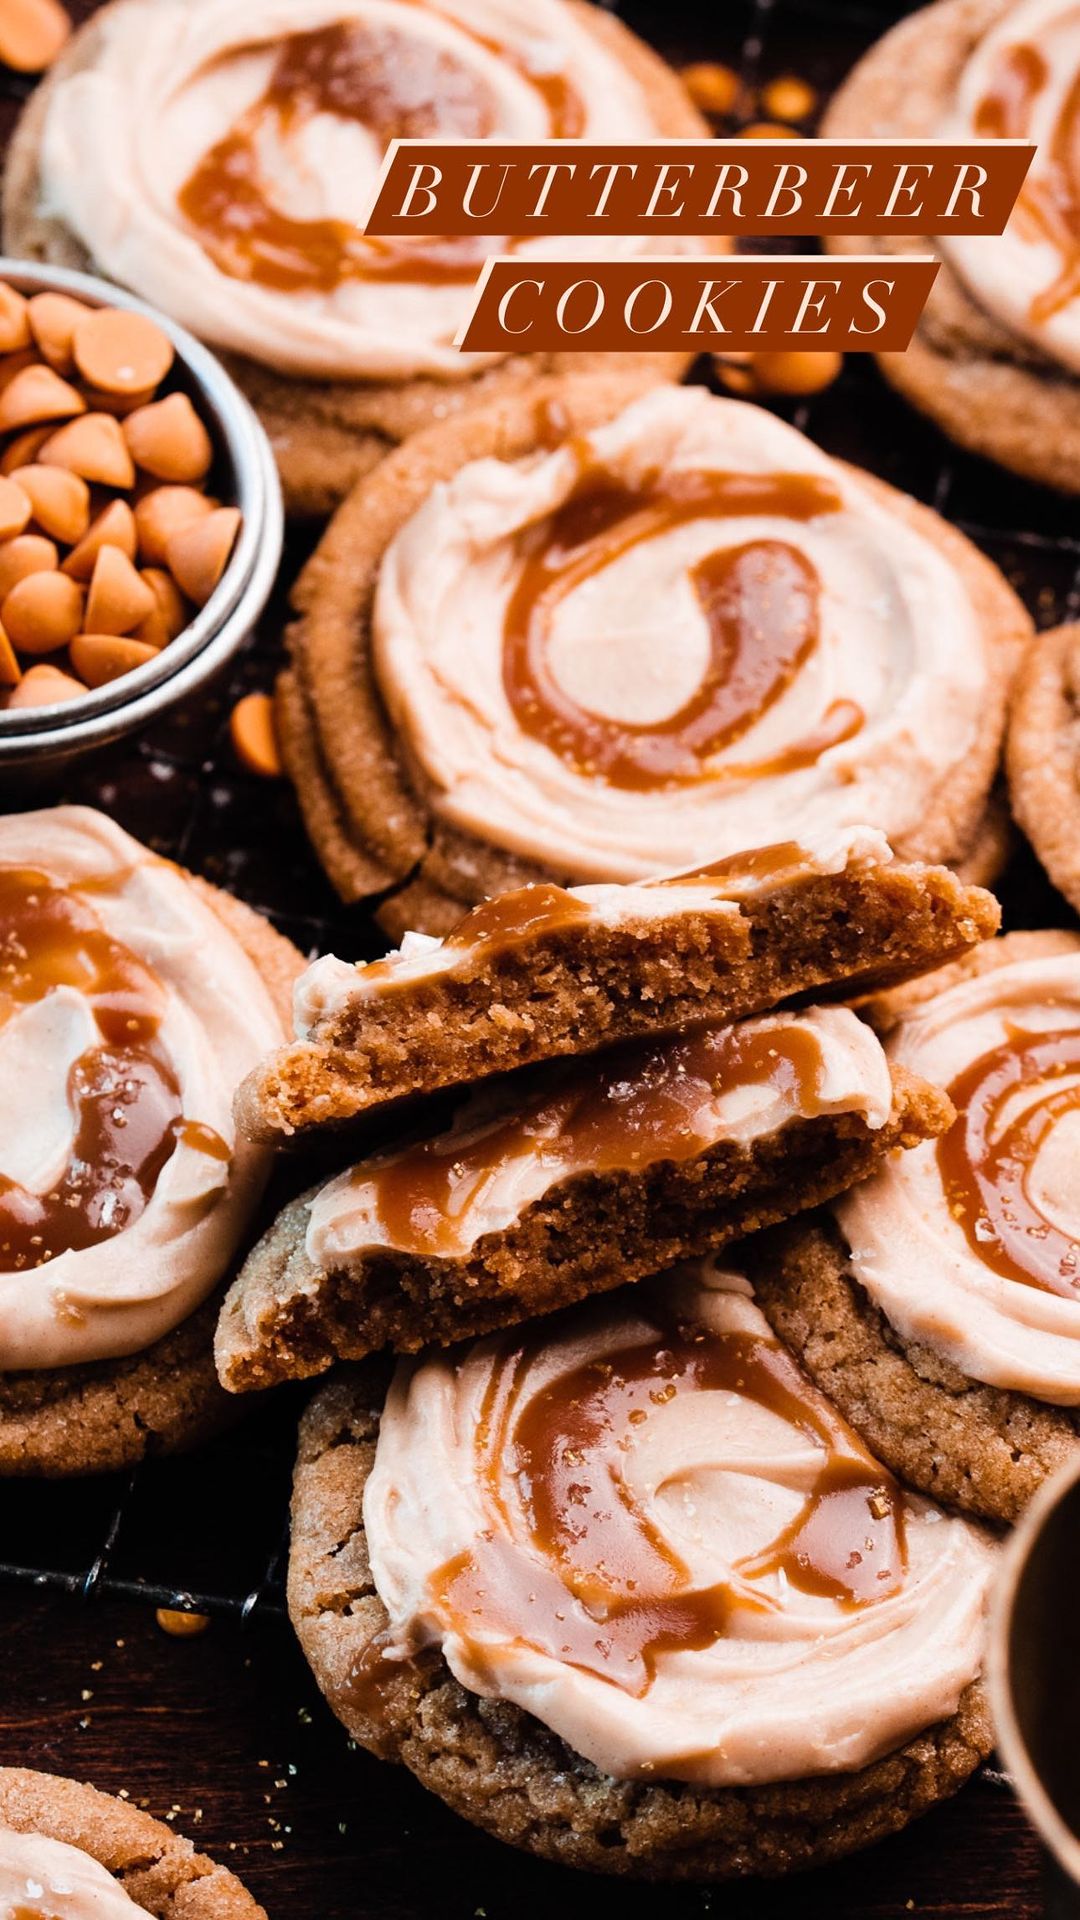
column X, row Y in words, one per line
column 227, row 1734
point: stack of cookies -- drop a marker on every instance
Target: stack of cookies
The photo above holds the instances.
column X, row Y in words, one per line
column 599, row 1561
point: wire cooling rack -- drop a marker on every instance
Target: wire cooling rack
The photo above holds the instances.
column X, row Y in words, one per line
column 208, row 1533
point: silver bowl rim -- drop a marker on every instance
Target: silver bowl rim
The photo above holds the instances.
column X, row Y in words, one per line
column 218, row 628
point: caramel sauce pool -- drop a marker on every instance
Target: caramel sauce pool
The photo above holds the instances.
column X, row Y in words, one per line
column 761, row 606
column 123, row 1094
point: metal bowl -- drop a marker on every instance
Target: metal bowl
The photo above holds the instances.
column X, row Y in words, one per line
column 42, row 737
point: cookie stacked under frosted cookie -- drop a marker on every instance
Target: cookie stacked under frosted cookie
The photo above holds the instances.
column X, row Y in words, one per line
column 590, row 639
column 132, row 999
column 222, row 162
column 616, row 1581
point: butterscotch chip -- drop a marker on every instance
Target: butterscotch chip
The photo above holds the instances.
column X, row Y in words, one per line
column 169, row 440
column 43, row 612
column 44, row 686
column 121, row 352
column 789, row 98
column 99, row 657
column 796, row 374
column 53, row 318
column 163, row 512
column 254, row 735
column 711, row 86
column 10, row 670
column 769, row 130
column 37, row 393
column 169, row 617
column 114, row 527
column 32, row 33
column 27, row 553
column 15, row 509
column 93, row 446
column 23, row 449
column 198, row 554
column 60, row 500
column 181, row 1625
column 14, row 320
column 117, row 599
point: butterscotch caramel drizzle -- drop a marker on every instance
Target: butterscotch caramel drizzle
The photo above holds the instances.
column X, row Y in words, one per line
column 397, row 85
column 761, row 605
column 1049, row 203
column 641, row 1103
column 593, row 1582
column 988, row 1156
column 123, row 1093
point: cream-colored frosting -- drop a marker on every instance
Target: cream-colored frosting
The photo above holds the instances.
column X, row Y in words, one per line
column 216, row 1022
column 898, row 636
column 909, row 1252
column 329, row 985
column 802, row 1683
column 851, row 1076
column 1007, row 273
column 39, row 1876
column 122, row 137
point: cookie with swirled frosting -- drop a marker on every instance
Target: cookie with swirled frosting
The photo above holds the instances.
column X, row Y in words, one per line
column 995, row 357
column 597, row 641
column 624, row 1590
column 68, row 1852
column 132, row 998
column 940, row 1306
column 220, row 160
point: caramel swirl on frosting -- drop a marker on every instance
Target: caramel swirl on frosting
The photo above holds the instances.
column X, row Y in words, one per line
column 221, row 157
column 972, row 1245
column 127, row 1014
column 45, row 1879
column 643, row 1524
column 632, row 1107
column 670, row 641
column 1022, row 82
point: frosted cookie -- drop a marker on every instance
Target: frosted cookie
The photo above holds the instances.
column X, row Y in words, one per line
column 567, row 1180
column 940, row 1308
column 625, row 1591
column 597, row 641
column 68, row 1852
column 996, row 354
column 546, row 971
column 220, row 160
column 132, row 999
column 1042, row 755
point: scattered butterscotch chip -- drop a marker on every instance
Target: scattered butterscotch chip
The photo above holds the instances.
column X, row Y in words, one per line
column 121, row 352
column 769, row 130
column 789, row 98
column 253, row 733
column 27, row 553
column 42, row 612
column 93, row 446
column 169, row 440
column 14, row 320
column 118, row 598
column 198, row 554
column 163, row 512
column 170, row 615
column 32, row 33
column 113, row 527
column 53, row 318
column 712, row 87
column 15, row 509
column 44, row 686
column 35, row 394
column 182, row 1626
column 795, row 374
column 10, row 670
column 100, row 657
column 23, row 449
column 60, row 500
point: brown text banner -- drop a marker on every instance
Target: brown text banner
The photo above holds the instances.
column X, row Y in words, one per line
column 682, row 187
column 681, row 303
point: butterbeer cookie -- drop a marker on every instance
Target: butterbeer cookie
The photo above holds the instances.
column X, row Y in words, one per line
column 1043, row 755
column 624, row 1590
column 995, row 357
column 601, row 641
column 221, row 162
column 68, row 1852
column 567, row 1180
column 940, row 1307
column 546, row 971
column 132, row 999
